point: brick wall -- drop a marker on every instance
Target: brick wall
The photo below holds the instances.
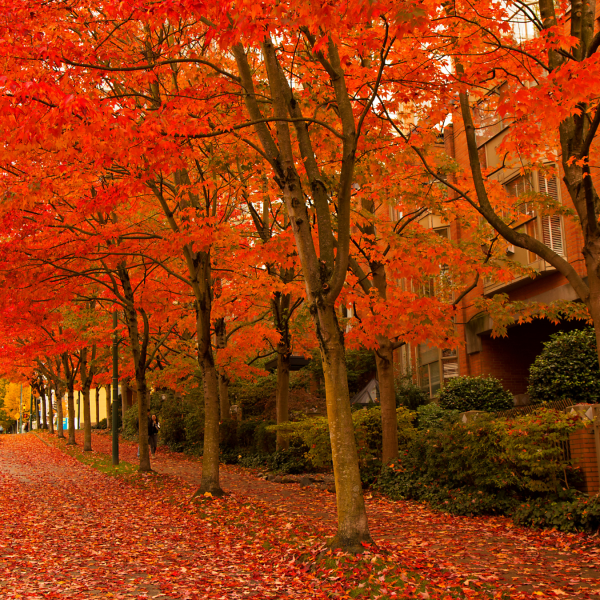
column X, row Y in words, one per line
column 583, row 455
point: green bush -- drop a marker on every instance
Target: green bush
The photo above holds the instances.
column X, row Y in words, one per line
column 533, row 446
column 245, row 432
column 290, row 462
column 130, row 423
column 567, row 368
column 253, row 461
column 475, row 393
column 573, row 514
column 103, row 424
column 410, row 395
column 314, row 434
column 264, row 439
column 173, row 424
column 486, row 466
column 433, row 415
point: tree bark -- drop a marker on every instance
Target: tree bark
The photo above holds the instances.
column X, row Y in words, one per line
column 87, row 422
column 50, row 413
column 37, row 413
column 324, row 273
column 384, row 358
column 142, row 400
column 108, row 407
column 71, row 415
column 139, row 350
column 124, row 392
column 59, row 414
column 43, row 406
column 352, row 517
column 282, row 398
column 221, row 338
column 87, row 376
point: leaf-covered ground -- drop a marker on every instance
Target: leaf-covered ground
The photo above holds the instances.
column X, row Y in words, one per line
column 72, row 531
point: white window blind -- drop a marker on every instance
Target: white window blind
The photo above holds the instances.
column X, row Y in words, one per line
column 551, row 226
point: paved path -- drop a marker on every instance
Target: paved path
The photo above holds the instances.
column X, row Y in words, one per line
column 68, row 532
column 484, row 549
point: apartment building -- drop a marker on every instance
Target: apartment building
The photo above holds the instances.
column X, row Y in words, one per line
column 507, row 358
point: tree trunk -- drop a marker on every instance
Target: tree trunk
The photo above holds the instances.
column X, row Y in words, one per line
column 384, row 358
column 37, row 413
column 224, row 397
column 59, row 414
column 71, row 415
column 210, row 459
column 43, row 406
column 352, row 517
column 124, row 390
column 50, row 413
column 87, row 420
column 142, row 399
column 108, row 408
column 221, row 339
column 282, row 397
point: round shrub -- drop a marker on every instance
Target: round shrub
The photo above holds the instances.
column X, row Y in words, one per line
column 566, row 368
column 475, row 393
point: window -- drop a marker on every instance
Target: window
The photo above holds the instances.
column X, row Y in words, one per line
column 547, row 228
column 436, row 367
column 551, row 224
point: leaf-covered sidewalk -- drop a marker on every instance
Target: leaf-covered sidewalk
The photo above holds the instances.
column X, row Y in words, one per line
column 71, row 531
column 477, row 550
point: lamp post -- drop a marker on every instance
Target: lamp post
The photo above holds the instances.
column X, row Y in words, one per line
column 78, row 409
column 115, row 393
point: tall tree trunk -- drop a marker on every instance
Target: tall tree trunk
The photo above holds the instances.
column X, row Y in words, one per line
column 139, row 347
column 37, row 413
column 108, row 407
column 384, row 358
column 142, row 400
column 324, row 272
column 225, row 408
column 43, row 405
column 352, row 517
column 282, row 397
column 124, row 391
column 59, row 414
column 71, row 414
column 87, row 421
column 221, row 339
column 201, row 271
column 50, row 413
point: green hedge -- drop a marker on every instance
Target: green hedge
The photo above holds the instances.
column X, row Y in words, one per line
column 475, row 393
column 488, row 466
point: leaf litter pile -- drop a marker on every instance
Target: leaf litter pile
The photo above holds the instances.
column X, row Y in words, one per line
column 75, row 532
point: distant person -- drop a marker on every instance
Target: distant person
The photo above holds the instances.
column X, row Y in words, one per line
column 153, row 428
